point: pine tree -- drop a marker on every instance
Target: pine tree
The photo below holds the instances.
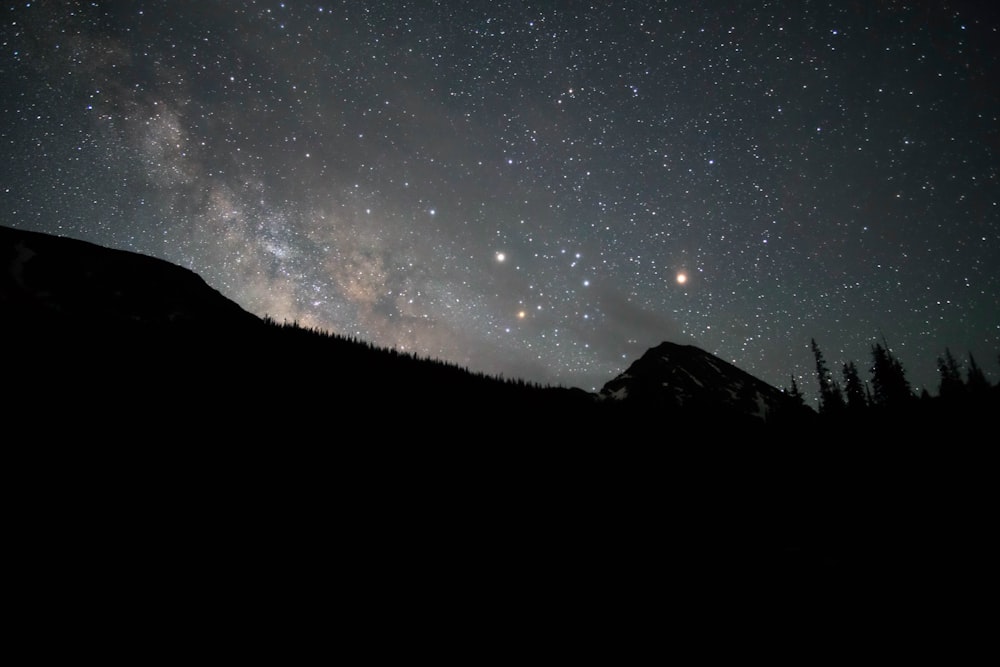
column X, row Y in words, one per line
column 891, row 389
column 831, row 399
column 951, row 376
column 853, row 388
column 976, row 382
column 794, row 393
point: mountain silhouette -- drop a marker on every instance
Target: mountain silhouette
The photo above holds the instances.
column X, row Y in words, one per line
column 683, row 378
column 89, row 329
column 131, row 326
column 217, row 448
column 49, row 277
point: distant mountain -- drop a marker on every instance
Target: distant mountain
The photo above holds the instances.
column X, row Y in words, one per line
column 683, row 378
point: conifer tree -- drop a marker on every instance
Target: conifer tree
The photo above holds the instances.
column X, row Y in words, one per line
column 976, row 382
column 951, row 376
column 853, row 388
column 891, row 389
column 794, row 393
column 830, row 397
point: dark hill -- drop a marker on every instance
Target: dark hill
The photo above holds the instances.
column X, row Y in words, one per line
column 55, row 279
column 95, row 331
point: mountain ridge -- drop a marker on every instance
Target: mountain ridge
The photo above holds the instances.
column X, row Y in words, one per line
column 122, row 303
column 52, row 273
column 281, row 448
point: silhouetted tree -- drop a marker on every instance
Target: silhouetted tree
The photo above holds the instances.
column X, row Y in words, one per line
column 831, row 399
column 976, row 380
column 854, row 389
column 794, row 393
column 890, row 387
column 951, row 376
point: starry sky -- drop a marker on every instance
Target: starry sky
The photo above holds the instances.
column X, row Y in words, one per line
column 542, row 190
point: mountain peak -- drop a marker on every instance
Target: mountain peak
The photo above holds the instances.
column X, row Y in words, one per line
column 673, row 376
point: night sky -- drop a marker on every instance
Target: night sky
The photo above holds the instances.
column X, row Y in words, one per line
column 543, row 190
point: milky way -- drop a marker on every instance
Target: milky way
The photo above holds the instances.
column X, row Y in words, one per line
column 517, row 187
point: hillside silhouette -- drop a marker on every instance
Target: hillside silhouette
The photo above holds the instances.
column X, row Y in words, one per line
column 165, row 408
column 98, row 329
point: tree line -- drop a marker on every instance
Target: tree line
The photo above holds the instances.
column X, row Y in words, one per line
column 889, row 388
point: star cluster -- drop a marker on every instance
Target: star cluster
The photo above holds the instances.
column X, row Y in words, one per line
column 539, row 190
